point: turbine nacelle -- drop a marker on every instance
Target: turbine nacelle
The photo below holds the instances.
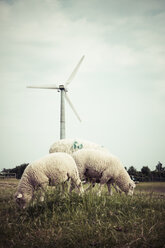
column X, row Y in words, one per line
column 62, row 87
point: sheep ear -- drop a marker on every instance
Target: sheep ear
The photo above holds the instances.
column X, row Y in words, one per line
column 19, row 195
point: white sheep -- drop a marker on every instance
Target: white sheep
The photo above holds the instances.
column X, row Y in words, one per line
column 50, row 170
column 71, row 145
column 104, row 168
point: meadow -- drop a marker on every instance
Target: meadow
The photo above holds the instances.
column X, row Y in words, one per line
column 84, row 221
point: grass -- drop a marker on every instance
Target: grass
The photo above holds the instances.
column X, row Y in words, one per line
column 155, row 187
column 84, row 221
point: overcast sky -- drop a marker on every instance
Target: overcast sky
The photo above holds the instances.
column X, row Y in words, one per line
column 119, row 90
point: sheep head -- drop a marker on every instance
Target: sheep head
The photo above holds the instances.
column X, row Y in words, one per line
column 22, row 199
column 131, row 187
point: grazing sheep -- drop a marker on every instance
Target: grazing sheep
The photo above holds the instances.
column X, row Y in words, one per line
column 50, row 170
column 104, row 168
column 71, row 145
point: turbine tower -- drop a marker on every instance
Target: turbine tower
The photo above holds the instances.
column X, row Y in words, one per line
column 62, row 88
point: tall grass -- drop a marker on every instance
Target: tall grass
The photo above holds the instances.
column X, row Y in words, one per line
column 83, row 221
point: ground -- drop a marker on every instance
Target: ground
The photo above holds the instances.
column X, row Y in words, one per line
column 84, row 221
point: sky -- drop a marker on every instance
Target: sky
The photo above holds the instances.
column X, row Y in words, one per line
column 119, row 90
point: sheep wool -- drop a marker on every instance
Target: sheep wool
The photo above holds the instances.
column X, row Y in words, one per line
column 104, row 168
column 51, row 170
column 72, row 145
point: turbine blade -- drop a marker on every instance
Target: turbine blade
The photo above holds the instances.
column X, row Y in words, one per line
column 71, row 105
column 74, row 72
column 46, row 86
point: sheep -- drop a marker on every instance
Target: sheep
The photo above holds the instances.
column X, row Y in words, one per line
column 71, row 145
column 104, row 168
column 50, row 170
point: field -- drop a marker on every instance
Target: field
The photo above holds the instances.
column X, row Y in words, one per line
column 84, row 221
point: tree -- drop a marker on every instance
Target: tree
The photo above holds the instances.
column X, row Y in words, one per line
column 132, row 171
column 159, row 167
column 18, row 170
column 145, row 171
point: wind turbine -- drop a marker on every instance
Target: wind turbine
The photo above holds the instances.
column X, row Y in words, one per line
column 63, row 89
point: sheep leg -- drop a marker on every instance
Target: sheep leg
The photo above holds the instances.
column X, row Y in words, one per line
column 72, row 186
column 80, row 187
column 116, row 188
column 105, row 179
column 66, row 186
column 43, row 188
column 100, row 189
column 109, row 188
column 91, row 186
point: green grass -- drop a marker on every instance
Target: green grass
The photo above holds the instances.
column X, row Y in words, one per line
column 84, row 221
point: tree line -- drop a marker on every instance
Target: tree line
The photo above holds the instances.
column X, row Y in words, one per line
column 18, row 170
column 142, row 176
column 146, row 175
